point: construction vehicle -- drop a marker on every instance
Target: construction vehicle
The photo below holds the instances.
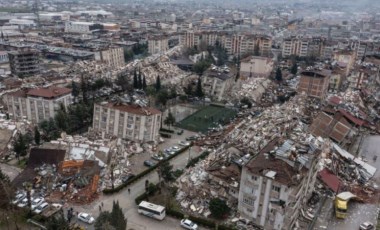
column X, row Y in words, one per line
column 341, row 204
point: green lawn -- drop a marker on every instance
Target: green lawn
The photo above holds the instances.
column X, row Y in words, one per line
column 207, row 117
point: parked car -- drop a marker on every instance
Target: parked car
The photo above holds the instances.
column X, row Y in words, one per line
column 23, row 203
column 85, row 217
column 149, row 163
column 36, row 202
column 169, row 151
column 127, row 178
column 192, row 138
column 175, row 148
column 19, row 197
column 184, row 143
column 366, row 226
column 188, row 224
column 180, row 132
column 157, row 157
column 41, row 208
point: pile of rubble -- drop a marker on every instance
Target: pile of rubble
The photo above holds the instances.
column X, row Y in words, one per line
column 252, row 88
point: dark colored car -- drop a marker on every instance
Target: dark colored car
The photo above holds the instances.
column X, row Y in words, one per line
column 149, row 163
column 127, row 178
column 180, row 132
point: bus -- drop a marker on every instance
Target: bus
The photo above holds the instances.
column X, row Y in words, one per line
column 152, row 210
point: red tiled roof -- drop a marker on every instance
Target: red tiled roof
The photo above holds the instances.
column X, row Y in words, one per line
column 18, row 93
column 350, row 117
column 134, row 109
column 330, row 179
column 335, row 100
column 50, row 92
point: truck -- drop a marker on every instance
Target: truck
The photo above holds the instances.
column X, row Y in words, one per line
column 341, row 204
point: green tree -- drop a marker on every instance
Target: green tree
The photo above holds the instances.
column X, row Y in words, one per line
column 113, row 220
column 278, row 74
column 199, row 91
column 139, row 81
column 158, row 83
column 201, row 66
column 246, row 101
column 294, row 68
column 103, row 221
column 166, row 171
column 135, row 80
column 61, row 118
column 37, row 136
column 5, row 190
column 20, row 147
column 75, row 90
column 128, row 55
column 84, row 89
column 162, row 97
column 57, row 223
column 122, row 81
column 49, row 129
column 144, row 83
column 218, row 208
column 189, row 89
column 169, row 120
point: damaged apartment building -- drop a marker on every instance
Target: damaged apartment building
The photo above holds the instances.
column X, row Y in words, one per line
column 134, row 122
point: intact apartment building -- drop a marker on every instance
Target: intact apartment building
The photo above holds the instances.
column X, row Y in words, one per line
column 81, row 27
column 127, row 121
column 274, row 188
column 256, row 66
column 113, row 56
column 158, row 44
column 314, row 83
column 306, row 47
column 37, row 104
column 24, row 63
column 235, row 44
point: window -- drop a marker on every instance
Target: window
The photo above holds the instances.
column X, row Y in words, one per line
column 254, row 178
column 276, row 188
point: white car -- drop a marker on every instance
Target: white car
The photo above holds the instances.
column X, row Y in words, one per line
column 175, row 148
column 36, row 202
column 41, row 208
column 366, row 226
column 18, row 198
column 23, row 203
column 184, row 143
column 188, row 224
column 87, row 218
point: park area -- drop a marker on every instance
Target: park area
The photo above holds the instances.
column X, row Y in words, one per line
column 207, row 117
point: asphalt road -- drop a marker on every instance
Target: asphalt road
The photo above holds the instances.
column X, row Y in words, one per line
column 126, row 200
column 359, row 213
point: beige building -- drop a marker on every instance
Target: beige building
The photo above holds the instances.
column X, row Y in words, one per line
column 235, row 44
column 216, row 84
column 345, row 59
column 274, row 189
column 37, row 104
column 314, row 83
column 127, row 121
column 113, row 57
column 158, row 44
column 255, row 66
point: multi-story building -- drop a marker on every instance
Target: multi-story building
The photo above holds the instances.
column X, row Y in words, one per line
column 314, row 83
column 81, row 27
column 37, row 104
column 158, row 44
column 255, row 66
column 4, row 57
column 216, row 83
column 345, row 59
column 24, row 63
column 127, row 121
column 274, row 189
column 113, row 56
column 235, row 44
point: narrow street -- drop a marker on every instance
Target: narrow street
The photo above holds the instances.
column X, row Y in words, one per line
column 127, row 201
column 357, row 212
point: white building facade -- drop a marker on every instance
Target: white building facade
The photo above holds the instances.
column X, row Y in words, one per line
column 38, row 104
column 127, row 121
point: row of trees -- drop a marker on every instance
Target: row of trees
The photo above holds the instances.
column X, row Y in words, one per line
column 137, row 50
column 113, row 220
